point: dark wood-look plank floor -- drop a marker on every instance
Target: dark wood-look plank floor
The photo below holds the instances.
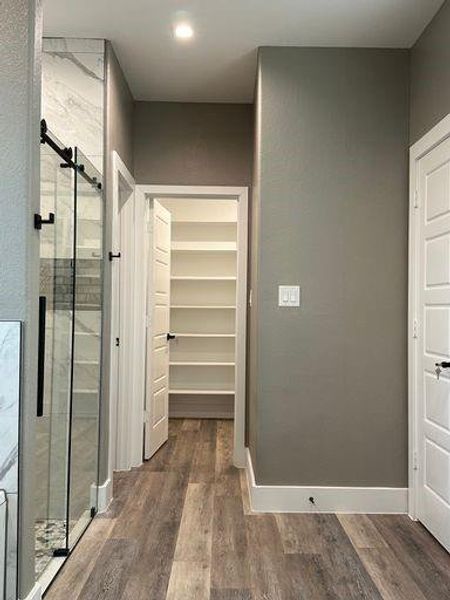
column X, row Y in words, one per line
column 181, row 528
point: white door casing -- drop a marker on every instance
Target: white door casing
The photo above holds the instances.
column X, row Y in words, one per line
column 158, row 326
column 145, row 194
column 430, row 330
column 126, row 396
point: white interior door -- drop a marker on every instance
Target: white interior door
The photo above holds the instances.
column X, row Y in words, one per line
column 158, row 324
column 433, row 391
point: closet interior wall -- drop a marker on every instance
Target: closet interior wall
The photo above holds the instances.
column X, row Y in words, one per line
column 203, row 307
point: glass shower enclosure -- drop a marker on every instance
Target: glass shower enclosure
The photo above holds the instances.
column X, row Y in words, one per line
column 70, row 314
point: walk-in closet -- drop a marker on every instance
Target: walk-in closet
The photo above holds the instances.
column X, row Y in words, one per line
column 202, row 306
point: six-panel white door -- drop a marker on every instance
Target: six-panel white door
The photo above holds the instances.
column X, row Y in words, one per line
column 433, row 392
column 158, row 311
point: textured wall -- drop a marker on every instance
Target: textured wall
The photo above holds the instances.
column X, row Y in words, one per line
column 430, row 75
column 332, row 172
column 20, row 85
column 119, row 129
column 193, row 144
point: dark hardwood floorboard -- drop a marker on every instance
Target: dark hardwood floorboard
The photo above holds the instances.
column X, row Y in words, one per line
column 181, row 528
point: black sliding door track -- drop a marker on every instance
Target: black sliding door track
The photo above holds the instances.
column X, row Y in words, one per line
column 67, row 155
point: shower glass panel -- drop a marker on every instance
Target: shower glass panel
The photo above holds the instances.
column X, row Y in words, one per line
column 70, row 311
column 56, row 318
column 86, row 351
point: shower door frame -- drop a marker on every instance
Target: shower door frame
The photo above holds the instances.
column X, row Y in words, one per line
column 69, row 160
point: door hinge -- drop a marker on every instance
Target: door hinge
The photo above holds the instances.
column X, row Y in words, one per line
column 415, row 463
column 415, row 332
column 416, row 199
column 117, row 342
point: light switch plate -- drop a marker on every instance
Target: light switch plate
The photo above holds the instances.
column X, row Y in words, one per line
column 288, row 295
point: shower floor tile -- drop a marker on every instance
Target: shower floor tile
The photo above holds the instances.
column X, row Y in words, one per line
column 49, row 534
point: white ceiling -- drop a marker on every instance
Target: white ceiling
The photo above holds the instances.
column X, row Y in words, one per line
column 218, row 64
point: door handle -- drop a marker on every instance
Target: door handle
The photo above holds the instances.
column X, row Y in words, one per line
column 440, row 366
column 39, row 221
column 41, row 356
column 170, row 336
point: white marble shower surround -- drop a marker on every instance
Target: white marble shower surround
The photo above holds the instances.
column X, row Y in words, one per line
column 9, row 404
column 73, row 76
column 10, row 369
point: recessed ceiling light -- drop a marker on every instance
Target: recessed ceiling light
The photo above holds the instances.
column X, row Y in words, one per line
column 183, row 31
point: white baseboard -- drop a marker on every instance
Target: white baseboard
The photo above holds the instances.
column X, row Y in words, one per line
column 295, row 499
column 35, row 594
column 104, row 495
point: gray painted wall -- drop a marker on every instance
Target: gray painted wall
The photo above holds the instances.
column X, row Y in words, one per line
column 20, row 92
column 329, row 382
column 118, row 132
column 193, row 144
column 430, row 75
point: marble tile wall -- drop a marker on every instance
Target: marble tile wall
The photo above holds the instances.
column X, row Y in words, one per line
column 73, row 93
column 10, row 359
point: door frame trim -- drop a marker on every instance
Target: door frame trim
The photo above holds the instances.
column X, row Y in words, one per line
column 241, row 195
column 125, row 436
column 428, row 142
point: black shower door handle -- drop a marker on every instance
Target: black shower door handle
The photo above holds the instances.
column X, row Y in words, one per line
column 41, row 356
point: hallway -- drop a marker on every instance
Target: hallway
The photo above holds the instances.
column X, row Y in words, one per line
column 180, row 528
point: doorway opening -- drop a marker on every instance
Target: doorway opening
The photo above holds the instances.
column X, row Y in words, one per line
column 429, row 344
column 196, row 242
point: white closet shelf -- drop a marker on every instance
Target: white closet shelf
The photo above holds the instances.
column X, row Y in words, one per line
column 193, row 363
column 88, row 333
column 204, row 306
column 203, row 392
column 205, row 222
column 86, row 362
column 200, row 278
column 205, row 335
column 204, row 247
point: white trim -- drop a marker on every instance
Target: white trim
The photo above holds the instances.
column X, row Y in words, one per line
column 241, row 195
column 35, row 593
column 241, row 331
column 126, row 435
column 430, row 140
column 50, row 572
column 104, row 495
column 295, row 499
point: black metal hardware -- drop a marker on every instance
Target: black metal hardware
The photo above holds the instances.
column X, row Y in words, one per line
column 111, row 255
column 67, row 155
column 61, row 552
column 117, row 342
column 41, row 356
column 39, row 221
column 170, row 336
column 93, row 512
column 443, row 365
